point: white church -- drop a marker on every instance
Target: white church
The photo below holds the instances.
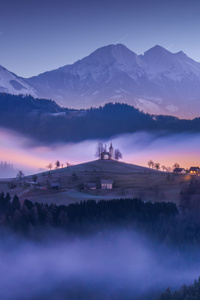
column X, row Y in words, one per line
column 105, row 155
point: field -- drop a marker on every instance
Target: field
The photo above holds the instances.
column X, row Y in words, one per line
column 128, row 181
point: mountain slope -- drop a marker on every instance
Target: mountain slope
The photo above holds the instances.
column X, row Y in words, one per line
column 11, row 83
column 93, row 80
column 158, row 81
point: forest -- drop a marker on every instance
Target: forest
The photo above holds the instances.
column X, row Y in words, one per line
column 162, row 221
column 164, row 225
column 36, row 118
column 186, row 292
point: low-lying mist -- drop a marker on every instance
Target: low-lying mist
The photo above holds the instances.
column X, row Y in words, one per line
column 107, row 266
column 137, row 148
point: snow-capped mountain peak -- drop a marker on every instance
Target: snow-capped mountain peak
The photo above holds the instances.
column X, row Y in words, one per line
column 11, row 83
column 158, row 81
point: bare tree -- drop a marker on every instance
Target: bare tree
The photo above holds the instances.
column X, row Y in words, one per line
column 118, row 154
column 164, row 168
column 168, row 169
column 176, row 166
column 20, row 174
column 150, row 163
column 99, row 150
column 157, row 166
column 57, row 163
column 49, row 166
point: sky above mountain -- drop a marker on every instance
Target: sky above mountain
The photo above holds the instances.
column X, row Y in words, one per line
column 41, row 35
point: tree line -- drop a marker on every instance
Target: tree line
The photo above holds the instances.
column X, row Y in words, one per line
column 86, row 216
column 157, row 166
column 33, row 117
column 161, row 221
column 186, row 292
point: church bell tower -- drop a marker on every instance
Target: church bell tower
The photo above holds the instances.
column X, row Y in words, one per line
column 111, row 151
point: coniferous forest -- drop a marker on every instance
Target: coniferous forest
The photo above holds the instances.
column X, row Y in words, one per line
column 160, row 223
column 37, row 117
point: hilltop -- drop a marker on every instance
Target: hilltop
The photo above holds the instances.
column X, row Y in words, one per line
column 128, row 181
column 105, row 166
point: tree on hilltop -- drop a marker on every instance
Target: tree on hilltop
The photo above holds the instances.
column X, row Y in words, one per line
column 150, row 164
column 117, row 154
column 57, row 163
column 49, row 166
column 20, row 174
column 176, row 166
column 157, row 166
column 99, row 149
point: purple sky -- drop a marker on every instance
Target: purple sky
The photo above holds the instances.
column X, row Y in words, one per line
column 42, row 35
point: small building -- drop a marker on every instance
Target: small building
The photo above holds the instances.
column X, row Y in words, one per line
column 30, row 183
column 105, row 155
column 90, row 186
column 106, row 184
column 194, row 171
column 55, row 185
column 180, row 171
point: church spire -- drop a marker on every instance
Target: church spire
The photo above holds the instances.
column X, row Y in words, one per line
column 111, row 151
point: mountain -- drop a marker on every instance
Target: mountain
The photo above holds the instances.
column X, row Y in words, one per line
column 106, row 74
column 11, row 83
column 158, row 82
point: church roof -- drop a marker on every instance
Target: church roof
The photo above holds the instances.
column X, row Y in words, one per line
column 111, row 146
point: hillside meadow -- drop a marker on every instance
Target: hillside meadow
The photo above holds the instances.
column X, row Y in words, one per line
column 128, row 181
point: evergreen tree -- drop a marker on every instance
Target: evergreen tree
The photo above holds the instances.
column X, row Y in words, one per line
column 15, row 204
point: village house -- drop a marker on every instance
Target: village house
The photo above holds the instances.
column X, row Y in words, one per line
column 108, row 155
column 90, row 186
column 106, row 184
column 55, row 185
column 180, row 171
column 194, row 171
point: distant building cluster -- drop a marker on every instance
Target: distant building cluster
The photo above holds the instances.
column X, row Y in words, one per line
column 191, row 171
column 104, row 185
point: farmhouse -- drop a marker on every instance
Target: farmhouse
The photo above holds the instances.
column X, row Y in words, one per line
column 55, row 185
column 106, row 184
column 180, row 171
column 194, row 170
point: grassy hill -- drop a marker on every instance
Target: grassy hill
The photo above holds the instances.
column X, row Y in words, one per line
column 128, row 181
column 104, row 165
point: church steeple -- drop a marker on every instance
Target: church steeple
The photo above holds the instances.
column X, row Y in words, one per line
column 111, row 151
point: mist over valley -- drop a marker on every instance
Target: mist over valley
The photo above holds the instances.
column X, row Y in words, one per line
column 99, row 150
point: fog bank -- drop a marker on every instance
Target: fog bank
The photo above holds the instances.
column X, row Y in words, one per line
column 116, row 262
column 137, row 148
